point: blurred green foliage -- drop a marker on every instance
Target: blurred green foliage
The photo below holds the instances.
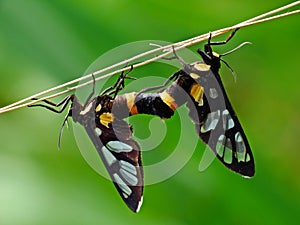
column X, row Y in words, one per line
column 46, row 43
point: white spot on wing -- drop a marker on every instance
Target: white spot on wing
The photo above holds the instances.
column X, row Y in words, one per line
column 220, row 145
column 110, row 158
column 228, row 122
column 98, row 131
column 130, row 178
column 202, row 67
column 240, row 145
column 127, row 166
column 210, row 122
column 129, row 172
column 194, row 75
column 248, row 158
column 126, row 191
column 228, row 155
column 118, row 146
column 224, row 148
column 240, row 156
column 213, row 93
column 238, row 137
column 139, row 205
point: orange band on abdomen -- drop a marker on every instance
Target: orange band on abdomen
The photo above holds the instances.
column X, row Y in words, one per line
column 130, row 97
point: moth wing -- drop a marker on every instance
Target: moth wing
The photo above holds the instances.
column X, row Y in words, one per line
column 121, row 156
column 218, row 126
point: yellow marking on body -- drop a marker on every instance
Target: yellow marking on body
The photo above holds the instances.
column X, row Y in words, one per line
column 106, row 119
column 194, row 76
column 202, row 67
column 98, row 108
column 197, row 93
column 130, row 97
column 216, row 54
column 168, row 100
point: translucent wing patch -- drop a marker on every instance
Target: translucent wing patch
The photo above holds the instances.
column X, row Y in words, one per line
column 122, row 158
column 218, row 126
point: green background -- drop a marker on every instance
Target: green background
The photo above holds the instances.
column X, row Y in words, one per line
column 47, row 43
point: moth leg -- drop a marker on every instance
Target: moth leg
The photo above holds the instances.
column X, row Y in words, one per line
column 64, row 104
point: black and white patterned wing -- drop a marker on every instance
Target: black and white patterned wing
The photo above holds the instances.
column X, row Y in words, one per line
column 122, row 158
column 217, row 124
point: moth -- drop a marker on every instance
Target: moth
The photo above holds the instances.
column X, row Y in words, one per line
column 198, row 85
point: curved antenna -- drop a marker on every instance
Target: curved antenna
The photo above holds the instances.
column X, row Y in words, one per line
column 229, row 52
column 236, row 48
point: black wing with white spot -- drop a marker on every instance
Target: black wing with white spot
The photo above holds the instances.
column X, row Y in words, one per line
column 122, row 158
column 218, row 126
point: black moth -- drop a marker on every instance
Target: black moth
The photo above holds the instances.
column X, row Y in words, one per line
column 215, row 120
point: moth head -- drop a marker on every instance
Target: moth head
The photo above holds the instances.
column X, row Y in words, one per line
column 103, row 104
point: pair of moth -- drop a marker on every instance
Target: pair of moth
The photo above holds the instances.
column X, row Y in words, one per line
column 198, row 85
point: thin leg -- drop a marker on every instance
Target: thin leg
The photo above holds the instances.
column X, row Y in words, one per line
column 64, row 104
column 62, row 127
column 222, row 42
column 172, row 77
column 119, row 85
column 207, row 47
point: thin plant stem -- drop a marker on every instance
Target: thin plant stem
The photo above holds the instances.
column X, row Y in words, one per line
column 163, row 50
